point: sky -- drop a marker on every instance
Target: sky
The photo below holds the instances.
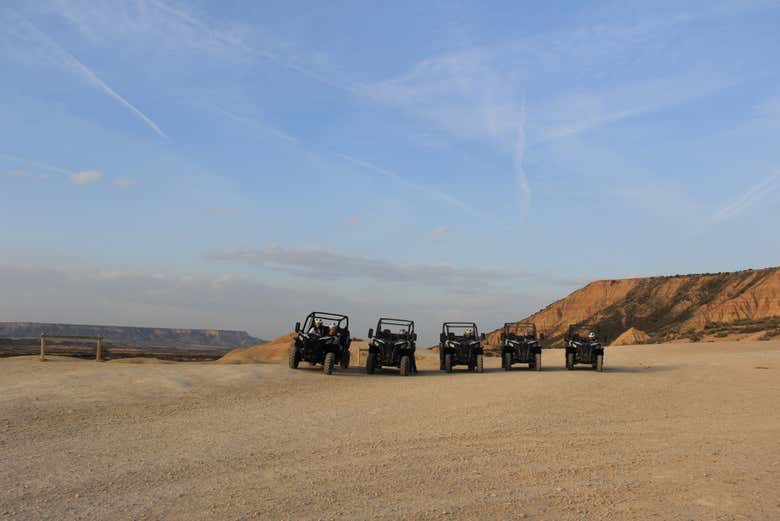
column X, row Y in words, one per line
column 236, row 165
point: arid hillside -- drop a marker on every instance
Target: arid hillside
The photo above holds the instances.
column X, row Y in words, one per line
column 744, row 304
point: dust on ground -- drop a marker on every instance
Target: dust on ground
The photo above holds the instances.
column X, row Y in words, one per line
column 667, row 432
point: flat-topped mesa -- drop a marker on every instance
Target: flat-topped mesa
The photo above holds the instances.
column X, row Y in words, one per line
column 737, row 305
column 136, row 336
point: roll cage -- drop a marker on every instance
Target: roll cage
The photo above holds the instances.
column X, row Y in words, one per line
column 581, row 331
column 520, row 330
column 341, row 321
column 396, row 328
column 453, row 330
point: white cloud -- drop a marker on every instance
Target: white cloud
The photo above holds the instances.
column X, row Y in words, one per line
column 122, row 182
column 86, row 177
column 321, row 264
column 16, row 173
column 438, row 233
column 224, row 302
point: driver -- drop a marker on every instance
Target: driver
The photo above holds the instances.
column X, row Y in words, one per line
column 316, row 329
column 468, row 334
column 592, row 336
column 528, row 333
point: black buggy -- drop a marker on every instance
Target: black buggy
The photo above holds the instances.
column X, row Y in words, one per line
column 460, row 344
column 393, row 344
column 315, row 343
column 583, row 346
column 520, row 345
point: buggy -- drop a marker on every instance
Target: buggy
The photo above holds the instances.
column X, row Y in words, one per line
column 583, row 346
column 317, row 345
column 520, row 345
column 460, row 344
column 393, row 344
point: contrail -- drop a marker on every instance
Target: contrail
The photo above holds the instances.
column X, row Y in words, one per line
column 523, row 188
column 93, row 78
column 236, row 42
column 747, row 199
column 36, row 164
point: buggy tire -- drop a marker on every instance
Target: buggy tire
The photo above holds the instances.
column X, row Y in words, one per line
column 448, row 363
column 405, row 366
column 330, row 361
column 507, row 361
column 371, row 363
column 599, row 365
column 569, row 361
column 293, row 357
column 538, row 361
column 344, row 362
column 480, row 364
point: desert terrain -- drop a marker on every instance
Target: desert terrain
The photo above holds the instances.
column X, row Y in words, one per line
column 682, row 431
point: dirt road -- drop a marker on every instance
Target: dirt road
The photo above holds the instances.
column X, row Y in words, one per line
column 668, row 432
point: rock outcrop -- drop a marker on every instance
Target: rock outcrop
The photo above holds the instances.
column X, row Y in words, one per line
column 680, row 307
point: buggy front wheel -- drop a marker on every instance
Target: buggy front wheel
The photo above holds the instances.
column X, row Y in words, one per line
column 344, row 362
column 330, row 361
column 405, row 365
column 599, row 365
column 538, row 361
column 293, row 357
column 448, row 363
column 480, row 363
column 507, row 361
column 569, row 361
column 371, row 363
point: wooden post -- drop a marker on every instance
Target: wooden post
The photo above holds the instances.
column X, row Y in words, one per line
column 43, row 347
column 98, row 353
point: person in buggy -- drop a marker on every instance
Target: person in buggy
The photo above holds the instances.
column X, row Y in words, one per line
column 316, row 328
column 333, row 331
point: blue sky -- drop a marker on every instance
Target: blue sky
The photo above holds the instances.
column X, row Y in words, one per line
column 234, row 164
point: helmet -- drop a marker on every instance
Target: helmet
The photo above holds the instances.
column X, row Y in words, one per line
column 469, row 331
column 592, row 335
column 318, row 321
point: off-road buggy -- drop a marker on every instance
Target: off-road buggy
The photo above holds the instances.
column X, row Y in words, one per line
column 583, row 346
column 393, row 344
column 460, row 344
column 520, row 344
column 317, row 345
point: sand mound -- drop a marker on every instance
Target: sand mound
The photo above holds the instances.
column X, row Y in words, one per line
column 631, row 336
column 273, row 351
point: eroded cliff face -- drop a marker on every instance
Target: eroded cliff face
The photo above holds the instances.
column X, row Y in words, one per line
column 685, row 307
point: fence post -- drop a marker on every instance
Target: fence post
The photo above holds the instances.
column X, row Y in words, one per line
column 98, row 353
column 43, row 347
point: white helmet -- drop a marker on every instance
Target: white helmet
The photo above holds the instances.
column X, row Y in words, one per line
column 318, row 321
column 469, row 331
column 592, row 335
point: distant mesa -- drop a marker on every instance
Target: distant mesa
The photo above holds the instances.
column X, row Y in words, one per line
column 681, row 308
column 142, row 337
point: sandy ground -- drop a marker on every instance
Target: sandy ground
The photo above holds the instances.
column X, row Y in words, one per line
column 668, row 432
